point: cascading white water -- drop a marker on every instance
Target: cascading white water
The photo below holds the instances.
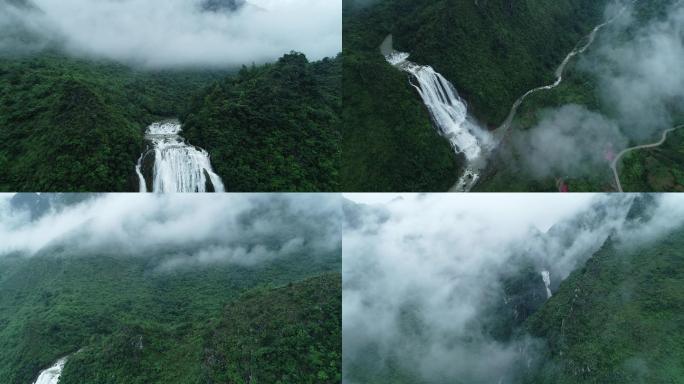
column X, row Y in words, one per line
column 449, row 113
column 546, row 276
column 52, row 374
column 178, row 166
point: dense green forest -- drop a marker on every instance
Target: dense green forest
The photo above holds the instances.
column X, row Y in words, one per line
column 618, row 318
column 492, row 51
column 122, row 320
column 77, row 125
column 274, row 127
column 656, row 169
column 651, row 170
column 615, row 319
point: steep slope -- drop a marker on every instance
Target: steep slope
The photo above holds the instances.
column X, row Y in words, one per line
column 655, row 169
column 77, row 125
column 617, row 319
column 586, row 84
column 290, row 335
column 133, row 323
column 492, row 51
column 388, row 142
column 272, row 128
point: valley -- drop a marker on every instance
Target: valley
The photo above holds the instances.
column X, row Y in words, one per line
column 529, row 150
column 592, row 298
column 167, row 307
column 76, row 102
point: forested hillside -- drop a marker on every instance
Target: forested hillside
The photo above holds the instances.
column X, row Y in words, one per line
column 123, row 321
column 595, row 298
column 617, row 319
column 274, row 127
column 592, row 82
column 78, row 125
column 492, row 51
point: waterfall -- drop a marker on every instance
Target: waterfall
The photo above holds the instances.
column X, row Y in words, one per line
column 142, row 186
column 448, row 111
column 178, row 166
column 52, row 374
column 449, row 114
column 546, row 276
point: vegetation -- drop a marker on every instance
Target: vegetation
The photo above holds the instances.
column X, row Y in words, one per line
column 77, row 125
column 493, row 52
column 286, row 335
column 272, row 128
column 123, row 320
column 389, row 143
column 654, row 170
column 617, row 319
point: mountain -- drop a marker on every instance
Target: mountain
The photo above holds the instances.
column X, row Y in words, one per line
column 616, row 319
column 613, row 319
column 597, row 298
column 77, row 125
column 121, row 320
column 290, row 334
column 586, row 83
column 492, row 51
column 274, row 127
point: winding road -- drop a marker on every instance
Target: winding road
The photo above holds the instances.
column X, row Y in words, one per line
column 577, row 50
column 616, row 161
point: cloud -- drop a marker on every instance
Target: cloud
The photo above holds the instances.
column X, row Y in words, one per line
column 640, row 73
column 179, row 229
column 178, row 32
column 570, row 141
column 423, row 273
column 636, row 64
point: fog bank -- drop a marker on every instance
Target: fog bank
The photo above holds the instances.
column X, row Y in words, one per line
column 177, row 229
column 176, row 33
column 636, row 65
column 423, row 274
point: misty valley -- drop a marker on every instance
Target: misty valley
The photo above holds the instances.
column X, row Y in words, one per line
column 513, row 289
column 250, row 191
column 137, row 289
column 502, row 96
